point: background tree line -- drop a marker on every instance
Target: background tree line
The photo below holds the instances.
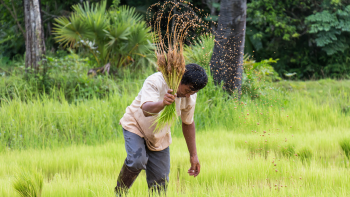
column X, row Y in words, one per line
column 309, row 37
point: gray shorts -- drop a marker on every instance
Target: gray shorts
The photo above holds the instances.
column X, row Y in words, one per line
column 139, row 157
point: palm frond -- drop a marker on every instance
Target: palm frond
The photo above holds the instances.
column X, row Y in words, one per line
column 117, row 34
column 70, row 30
column 126, row 13
column 94, row 16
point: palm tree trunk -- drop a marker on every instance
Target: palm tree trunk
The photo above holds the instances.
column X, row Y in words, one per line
column 227, row 61
column 35, row 44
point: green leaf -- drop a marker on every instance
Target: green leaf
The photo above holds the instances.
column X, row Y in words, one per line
column 295, row 35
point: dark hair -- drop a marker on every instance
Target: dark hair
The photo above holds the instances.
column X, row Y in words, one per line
column 195, row 75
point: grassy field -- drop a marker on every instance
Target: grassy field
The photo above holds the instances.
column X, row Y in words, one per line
column 286, row 143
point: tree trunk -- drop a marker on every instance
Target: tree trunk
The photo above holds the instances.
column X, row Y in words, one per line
column 227, row 61
column 35, row 44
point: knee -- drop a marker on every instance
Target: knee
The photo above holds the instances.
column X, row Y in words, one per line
column 138, row 163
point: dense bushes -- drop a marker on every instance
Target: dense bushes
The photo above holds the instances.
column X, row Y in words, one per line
column 310, row 38
column 118, row 36
column 66, row 75
column 256, row 75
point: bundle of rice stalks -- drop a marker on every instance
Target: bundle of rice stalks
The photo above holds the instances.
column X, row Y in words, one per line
column 169, row 50
column 172, row 66
column 345, row 146
column 28, row 184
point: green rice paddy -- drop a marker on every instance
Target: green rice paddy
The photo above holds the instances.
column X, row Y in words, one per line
column 294, row 141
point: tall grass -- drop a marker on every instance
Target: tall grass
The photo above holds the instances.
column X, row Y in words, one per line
column 247, row 147
column 345, row 146
column 28, row 183
column 52, row 121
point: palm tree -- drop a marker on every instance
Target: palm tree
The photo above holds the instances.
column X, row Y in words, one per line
column 117, row 36
column 227, row 61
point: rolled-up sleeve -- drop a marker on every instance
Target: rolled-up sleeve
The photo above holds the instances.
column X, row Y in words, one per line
column 149, row 92
column 187, row 114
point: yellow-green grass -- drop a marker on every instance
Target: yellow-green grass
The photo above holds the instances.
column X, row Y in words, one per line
column 48, row 122
column 298, row 126
column 228, row 168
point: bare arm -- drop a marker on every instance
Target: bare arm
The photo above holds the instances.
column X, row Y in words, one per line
column 152, row 108
column 189, row 133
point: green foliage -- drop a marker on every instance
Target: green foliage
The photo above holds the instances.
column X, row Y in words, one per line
column 28, row 184
column 69, row 73
column 331, row 29
column 11, row 38
column 262, row 71
column 118, row 36
column 65, row 115
column 115, row 4
column 66, row 73
column 257, row 76
column 309, row 37
column 200, row 51
column 345, row 146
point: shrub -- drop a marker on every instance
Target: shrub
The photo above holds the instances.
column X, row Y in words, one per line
column 118, row 36
column 65, row 74
column 256, row 75
column 314, row 44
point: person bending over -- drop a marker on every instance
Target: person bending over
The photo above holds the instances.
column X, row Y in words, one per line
column 147, row 150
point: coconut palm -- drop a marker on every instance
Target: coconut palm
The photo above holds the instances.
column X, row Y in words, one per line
column 116, row 36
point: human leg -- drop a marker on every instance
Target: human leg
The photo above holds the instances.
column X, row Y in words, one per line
column 135, row 161
column 157, row 170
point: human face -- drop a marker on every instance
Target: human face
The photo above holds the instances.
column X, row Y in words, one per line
column 185, row 91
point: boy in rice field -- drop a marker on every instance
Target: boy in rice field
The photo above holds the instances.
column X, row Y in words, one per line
column 147, row 150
